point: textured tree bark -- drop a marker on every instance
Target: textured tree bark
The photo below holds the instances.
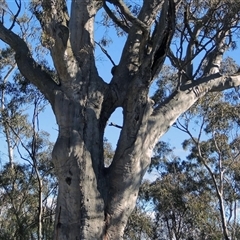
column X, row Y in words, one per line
column 78, row 159
column 95, row 202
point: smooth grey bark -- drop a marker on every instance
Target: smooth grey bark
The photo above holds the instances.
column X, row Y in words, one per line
column 95, row 202
column 219, row 191
column 5, row 116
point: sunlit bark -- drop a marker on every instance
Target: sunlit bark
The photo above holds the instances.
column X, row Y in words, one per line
column 95, row 202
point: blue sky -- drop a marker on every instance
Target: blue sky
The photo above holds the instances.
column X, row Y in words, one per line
column 47, row 119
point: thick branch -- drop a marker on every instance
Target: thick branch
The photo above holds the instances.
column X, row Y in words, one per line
column 130, row 163
column 149, row 11
column 167, row 113
column 128, row 15
column 117, row 21
column 135, row 65
column 133, row 58
column 54, row 21
column 162, row 36
column 81, row 25
column 26, row 64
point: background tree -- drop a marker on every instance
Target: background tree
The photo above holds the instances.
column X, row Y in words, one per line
column 94, row 202
column 6, row 61
column 215, row 145
column 180, row 199
column 108, row 152
column 184, row 198
column 27, row 189
column 19, row 201
column 141, row 223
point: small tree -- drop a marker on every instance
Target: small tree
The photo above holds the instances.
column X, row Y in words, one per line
column 26, row 189
column 181, row 201
column 26, row 195
column 214, row 143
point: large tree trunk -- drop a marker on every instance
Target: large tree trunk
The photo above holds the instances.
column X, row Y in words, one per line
column 80, row 205
column 95, row 202
column 78, row 160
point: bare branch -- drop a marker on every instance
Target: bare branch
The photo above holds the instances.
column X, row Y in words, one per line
column 9, row 72
column 115, row 125
column 106, row 53
column 22, row 144
column 213, row 83
column 117, row 21
column 128, row 15
column 19, row 4
column 27, row 65
column 203, row 33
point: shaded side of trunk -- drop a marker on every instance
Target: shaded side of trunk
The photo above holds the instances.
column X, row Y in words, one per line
column 78, row 160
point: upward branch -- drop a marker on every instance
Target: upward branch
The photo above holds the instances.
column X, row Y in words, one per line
column 54, row 20
column 162, row 37
column 26, row 64
column 181, row 100
column 128, row 15
column 116, row 20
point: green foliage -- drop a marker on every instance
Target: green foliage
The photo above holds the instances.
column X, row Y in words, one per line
column 19, row 203
column 161, row 152
column 140, row 226
column 27, row 181
column 181, row 202
column 17, row 198
column 186, row 197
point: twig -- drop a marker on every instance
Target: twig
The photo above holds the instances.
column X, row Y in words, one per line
column 106, row 53
column 115, row 125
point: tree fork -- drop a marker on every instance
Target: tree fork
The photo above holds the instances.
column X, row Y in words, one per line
column 94, row 202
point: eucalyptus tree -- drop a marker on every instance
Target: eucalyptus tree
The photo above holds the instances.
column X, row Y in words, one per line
column 94, row 201
column 27, row 189
column 180, row 201
column 214, row 143
column 6, row 61
column 22, row 216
